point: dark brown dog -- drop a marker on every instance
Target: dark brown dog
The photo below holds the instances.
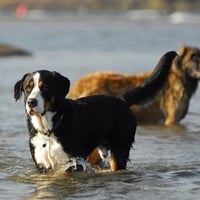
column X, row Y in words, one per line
column 173, row 102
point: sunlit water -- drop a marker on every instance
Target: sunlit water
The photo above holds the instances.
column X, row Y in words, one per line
column 164, row 162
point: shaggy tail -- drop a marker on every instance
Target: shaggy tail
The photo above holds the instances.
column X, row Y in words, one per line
column 151, row 87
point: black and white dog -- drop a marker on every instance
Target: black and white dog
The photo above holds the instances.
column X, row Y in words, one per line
column 61, row 129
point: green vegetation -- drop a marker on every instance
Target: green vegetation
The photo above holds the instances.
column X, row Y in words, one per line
column 168, row 5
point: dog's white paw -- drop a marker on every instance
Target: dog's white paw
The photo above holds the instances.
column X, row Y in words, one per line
column 78, row 164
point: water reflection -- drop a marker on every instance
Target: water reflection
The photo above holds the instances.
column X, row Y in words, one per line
column 78, row 185
column 49, row 186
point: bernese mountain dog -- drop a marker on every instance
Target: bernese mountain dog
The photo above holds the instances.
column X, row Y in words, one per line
column 61, row 129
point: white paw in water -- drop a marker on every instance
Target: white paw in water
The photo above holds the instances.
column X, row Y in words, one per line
column 78, row 164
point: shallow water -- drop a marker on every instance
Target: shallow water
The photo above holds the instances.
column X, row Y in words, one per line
column 164, row 162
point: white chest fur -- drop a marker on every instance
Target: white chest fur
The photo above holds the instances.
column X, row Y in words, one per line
column 48, row 152
column 42, row 123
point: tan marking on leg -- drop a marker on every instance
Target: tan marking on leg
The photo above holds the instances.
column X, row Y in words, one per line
column 94, row 157
column 113, row 164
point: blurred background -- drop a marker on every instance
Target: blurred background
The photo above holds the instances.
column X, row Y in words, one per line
column 96, row 5
column 77, row 37
column 90, row 35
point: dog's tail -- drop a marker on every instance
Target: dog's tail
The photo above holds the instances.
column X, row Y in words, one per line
column 151, row 87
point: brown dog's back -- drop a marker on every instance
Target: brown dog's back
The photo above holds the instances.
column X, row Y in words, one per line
column 109, row 83
column 169, row 107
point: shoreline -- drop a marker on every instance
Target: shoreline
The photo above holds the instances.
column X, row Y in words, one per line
column 102, row 5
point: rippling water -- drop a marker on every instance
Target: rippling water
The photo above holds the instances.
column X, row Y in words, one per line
column 164, row 162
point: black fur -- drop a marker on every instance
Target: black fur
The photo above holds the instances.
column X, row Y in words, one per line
column 153, row 85
column 97, row 120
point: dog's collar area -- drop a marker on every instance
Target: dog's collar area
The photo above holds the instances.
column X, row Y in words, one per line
column 50, row 131
column 45, row 143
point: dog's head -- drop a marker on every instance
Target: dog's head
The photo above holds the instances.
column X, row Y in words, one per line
column 42, row 91
column 189, row 61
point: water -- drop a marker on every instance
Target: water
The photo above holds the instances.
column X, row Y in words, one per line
column 164, row 162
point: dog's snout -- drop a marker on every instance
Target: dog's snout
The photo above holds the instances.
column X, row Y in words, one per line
column 32, row 103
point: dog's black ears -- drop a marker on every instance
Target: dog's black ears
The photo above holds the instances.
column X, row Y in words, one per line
column 63, row 83
column 18, row 88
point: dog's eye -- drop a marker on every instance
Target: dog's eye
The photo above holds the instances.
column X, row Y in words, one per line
column 44, row 87
column 28, row 88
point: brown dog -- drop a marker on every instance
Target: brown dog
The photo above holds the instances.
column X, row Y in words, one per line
column 172, row 104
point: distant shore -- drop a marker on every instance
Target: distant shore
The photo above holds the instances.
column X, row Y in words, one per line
column 119, row 5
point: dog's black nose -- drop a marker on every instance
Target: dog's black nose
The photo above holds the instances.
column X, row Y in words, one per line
column 32, row 103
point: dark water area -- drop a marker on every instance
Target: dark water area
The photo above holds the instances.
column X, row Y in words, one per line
column 164, row 161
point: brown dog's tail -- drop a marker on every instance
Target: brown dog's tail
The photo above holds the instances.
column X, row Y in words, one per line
column 151, row 87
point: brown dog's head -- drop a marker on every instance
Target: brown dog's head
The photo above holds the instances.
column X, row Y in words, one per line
column 42, row 90
column 189, row 61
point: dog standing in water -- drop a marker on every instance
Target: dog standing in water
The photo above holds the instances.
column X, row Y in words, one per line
column 61, row 128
